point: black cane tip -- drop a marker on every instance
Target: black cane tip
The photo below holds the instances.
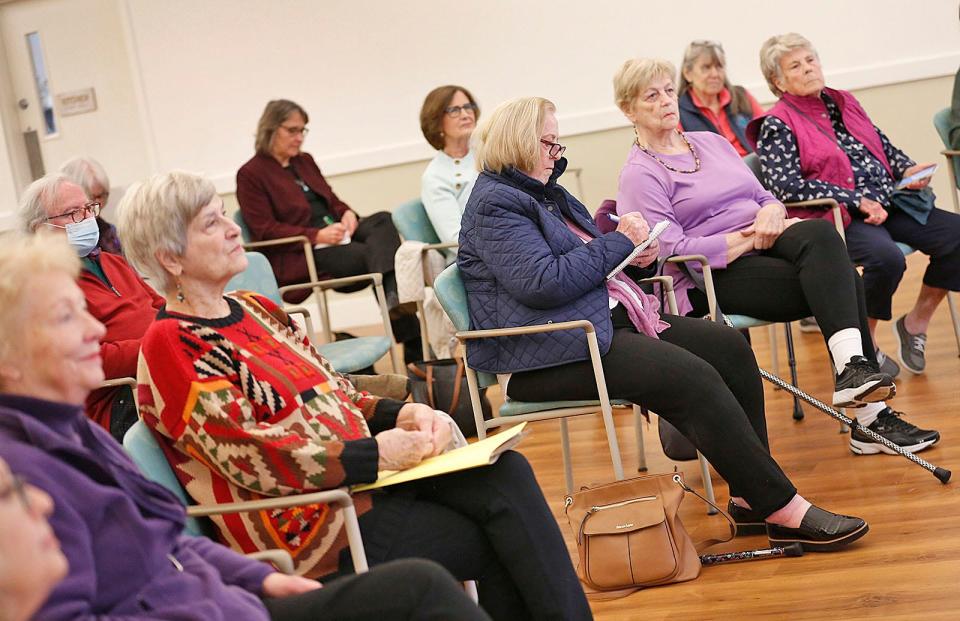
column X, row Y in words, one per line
column 794, row 549
column 942, row 474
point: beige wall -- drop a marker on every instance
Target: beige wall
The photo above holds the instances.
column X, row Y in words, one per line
column 904, row 111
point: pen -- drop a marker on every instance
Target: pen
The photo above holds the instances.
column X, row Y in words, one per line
column 613, row 217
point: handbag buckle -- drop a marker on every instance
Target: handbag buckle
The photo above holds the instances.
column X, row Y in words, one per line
column 679, row 481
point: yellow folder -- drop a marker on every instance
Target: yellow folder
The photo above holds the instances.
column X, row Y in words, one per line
column 481, row 453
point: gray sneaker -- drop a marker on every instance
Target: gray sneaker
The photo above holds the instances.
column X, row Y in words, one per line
column 887, row 365
column 912, row 346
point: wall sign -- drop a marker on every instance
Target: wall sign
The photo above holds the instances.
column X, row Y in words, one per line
column 77, row 102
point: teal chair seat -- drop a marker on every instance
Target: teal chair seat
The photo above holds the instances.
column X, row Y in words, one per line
column 519, row 408
column 355, row 354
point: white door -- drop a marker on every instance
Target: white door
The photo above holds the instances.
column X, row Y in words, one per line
column 70, row 48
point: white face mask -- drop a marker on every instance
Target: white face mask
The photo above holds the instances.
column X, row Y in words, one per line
column 83, row 235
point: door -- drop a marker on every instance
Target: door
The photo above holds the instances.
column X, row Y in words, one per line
column 61, row 53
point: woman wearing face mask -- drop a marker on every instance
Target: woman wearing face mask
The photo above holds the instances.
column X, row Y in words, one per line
column 31, row 562
column 115, row 293
column 708, row 102
column 447, row 119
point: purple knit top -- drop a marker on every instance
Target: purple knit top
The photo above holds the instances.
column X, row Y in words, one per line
column 702, row 207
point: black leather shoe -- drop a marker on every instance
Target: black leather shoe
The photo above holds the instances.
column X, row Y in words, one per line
column 820, row 531
column 748, row 521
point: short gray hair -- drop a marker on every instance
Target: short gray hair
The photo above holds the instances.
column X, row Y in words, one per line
column 154, row 215
column 773, row 50
column 21, row 258
column 37, row 197
column 86, row 172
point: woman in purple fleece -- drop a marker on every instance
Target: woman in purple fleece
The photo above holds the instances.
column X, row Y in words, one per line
column 120, row 533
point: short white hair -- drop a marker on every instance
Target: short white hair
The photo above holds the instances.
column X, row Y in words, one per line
column 773, row 50
column 86, row 172
column 32, row 212
column 154, row 216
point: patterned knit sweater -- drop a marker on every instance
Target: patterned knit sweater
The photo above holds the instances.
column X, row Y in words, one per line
column 245, row 408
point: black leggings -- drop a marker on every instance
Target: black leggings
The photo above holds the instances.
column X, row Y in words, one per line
column 398, row 591
column 806, row 272
column 699, row 376
column 488, row 524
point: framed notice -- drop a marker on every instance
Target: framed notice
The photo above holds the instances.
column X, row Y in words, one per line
column 77, row 102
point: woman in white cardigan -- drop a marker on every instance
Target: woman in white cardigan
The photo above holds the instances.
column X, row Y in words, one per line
column 447, row 119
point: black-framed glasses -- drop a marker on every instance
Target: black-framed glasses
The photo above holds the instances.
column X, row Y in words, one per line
column 555, row 148
column 80, row 214
column 455, row 111
column 17, row 488
column 293, row 131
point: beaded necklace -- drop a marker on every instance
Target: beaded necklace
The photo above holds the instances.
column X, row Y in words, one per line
column 693, row 152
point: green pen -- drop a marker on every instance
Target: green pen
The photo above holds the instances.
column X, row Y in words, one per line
column 328, row 220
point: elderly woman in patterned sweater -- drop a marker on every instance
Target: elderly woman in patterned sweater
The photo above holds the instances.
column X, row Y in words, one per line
column 818, row 142
column 246, row 408
column 716, row 207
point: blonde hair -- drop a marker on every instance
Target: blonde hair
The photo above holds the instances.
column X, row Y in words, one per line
column 155, row 214
column 22, row 257
column 510, row 137
column 773, row 50
column 635, row 75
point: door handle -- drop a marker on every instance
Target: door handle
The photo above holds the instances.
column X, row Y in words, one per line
column 23, row 104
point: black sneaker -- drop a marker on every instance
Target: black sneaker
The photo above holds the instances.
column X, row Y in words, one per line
column 891, row 426
column 748, row 521
column 820, row 531
column 860, row 383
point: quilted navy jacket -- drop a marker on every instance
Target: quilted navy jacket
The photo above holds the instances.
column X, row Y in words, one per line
column 521, row 266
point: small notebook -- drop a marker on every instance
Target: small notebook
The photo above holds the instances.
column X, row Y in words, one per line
column 481, row 453
column 654, row 234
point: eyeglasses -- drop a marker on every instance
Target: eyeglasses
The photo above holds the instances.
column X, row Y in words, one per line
column 556, row 149
column 293, row 131
column 454, row 111
column 19, row 489
column 79, row 215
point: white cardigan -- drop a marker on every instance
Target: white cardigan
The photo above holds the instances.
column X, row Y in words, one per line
column 444, row 190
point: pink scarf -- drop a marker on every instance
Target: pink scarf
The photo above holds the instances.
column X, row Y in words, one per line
column 642, row 309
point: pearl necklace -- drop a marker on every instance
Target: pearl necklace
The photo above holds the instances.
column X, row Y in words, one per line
column 696, row 158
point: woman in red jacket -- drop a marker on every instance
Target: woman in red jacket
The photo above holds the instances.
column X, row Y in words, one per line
column 282, row 193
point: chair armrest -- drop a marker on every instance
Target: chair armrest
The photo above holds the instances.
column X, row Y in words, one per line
column 307, row 319
column 707, row 279
column 666, row 282
column 828, row 203
column 950, row 152
column 442, row 246
column 580, row 324
column 280, row 241
column 376, row 278
column 120, row 381
column 280, row 559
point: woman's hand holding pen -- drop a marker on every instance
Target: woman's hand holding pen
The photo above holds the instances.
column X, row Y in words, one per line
column 634, row 226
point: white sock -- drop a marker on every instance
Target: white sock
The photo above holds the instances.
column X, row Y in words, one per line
column 868, row 413
column 844, row 345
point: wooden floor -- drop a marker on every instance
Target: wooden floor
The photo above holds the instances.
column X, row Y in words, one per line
column 907, row 567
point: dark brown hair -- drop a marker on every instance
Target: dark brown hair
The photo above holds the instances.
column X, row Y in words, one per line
column 431, row 114
column 273, row 117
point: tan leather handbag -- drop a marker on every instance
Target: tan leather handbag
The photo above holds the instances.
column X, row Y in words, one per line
column 629, row 535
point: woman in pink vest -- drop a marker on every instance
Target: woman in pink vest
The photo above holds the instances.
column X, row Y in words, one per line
column 818, row 142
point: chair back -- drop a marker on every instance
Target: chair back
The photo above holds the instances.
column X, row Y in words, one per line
column 452, row 296
column 244, row 231
column 257, row 277
column 413, row 224
column 753, row 163
column 941, row 120
column 142, row 447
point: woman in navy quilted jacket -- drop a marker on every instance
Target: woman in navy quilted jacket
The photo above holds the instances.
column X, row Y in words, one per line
column 531, row 254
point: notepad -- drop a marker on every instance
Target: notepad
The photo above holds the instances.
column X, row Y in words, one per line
column 481, row 453
column 654, row 234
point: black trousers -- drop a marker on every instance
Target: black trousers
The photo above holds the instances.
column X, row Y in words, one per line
column 397, row 591
column 875, row 248
column 806, row 272
column 488, row 524
column 702, row 378
column 371, row 249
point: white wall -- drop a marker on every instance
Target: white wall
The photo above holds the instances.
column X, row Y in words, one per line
column 362, row 67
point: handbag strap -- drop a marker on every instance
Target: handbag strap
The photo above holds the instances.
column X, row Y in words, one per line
column 432, row 402
column 457, row 383
column 706, row 543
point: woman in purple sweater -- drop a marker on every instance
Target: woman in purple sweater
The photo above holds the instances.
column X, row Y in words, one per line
column 120, row 533
column 765, row 265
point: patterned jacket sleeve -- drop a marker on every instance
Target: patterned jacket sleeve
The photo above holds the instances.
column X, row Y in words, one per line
column 209, row 418
column 780, row 165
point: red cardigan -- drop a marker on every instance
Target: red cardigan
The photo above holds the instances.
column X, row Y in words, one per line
column 274, row 206
column 127, row 310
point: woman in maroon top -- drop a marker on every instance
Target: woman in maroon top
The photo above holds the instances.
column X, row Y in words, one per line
column 282, row 193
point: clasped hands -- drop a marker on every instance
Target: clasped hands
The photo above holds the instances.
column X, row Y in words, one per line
column 419, row 434
column 770, row 223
